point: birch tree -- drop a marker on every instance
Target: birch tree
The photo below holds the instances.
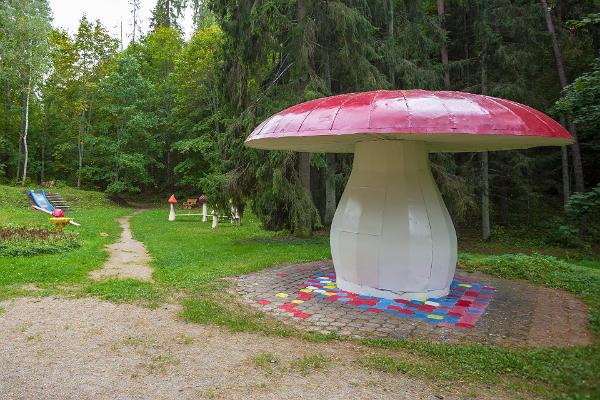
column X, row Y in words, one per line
column 562, row 76
column 26, row 49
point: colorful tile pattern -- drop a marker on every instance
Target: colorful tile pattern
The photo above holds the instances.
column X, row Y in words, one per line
column 463, row 306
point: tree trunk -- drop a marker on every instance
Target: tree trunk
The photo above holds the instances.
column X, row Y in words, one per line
column 330, row 192
column 168, row 10
column 303, row 158
column 565, row 174
column 26, row 128
column 485, row 196
column 504, row 205
column 135, row 19
column 7, row 96
column 80, row 149
column 18, row 175
column 330, row 200
column 576, row 154
column 562, row 77
column 564, row 154
column 44, row 140
column 304, row 170
column 444, row 49
column 485, row 182
column 391, row 38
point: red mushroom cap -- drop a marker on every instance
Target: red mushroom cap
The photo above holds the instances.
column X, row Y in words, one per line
column 172, row 199
column 447, row 121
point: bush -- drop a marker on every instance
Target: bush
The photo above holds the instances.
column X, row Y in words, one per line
column 20, row 241
column 583, row 209
column 564, row 236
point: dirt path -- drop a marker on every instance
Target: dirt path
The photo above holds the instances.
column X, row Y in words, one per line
column 128, row 258
column 88, row 349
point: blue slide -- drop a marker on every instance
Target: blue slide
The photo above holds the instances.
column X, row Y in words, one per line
column 41, row 200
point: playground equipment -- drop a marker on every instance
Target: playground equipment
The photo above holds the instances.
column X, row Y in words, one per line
column 42, row 203
column 202, row 201
column 60, row 223
column 392, row 235
column 234, row 216
column 172, row 215
column 59, row 220
column 187, row 206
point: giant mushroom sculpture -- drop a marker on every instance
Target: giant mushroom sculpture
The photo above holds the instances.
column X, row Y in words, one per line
column 391, row 235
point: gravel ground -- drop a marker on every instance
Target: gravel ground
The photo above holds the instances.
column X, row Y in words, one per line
column 87, row 349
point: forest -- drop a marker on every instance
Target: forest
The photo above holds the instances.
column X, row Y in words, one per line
column 169, row 114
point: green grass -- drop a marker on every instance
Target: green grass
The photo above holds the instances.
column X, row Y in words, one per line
column 190, row 255
column 266, row 361
column 127, row 291
column 190, row 260
column 391, row 364
column 305, row 365
column 50, row 272
column 311, row 363
column 26, row 241
column 566, row 373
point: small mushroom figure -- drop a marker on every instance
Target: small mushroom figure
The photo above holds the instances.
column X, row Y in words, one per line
column 172, row 215
column 392, row 235
column 202, row 201
column 215, row 219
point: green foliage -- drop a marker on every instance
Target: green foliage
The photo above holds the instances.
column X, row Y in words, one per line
column 23, row 241
column 583, row 204
column 582, row 210
column 129, row 149
column 170, row 113
column 564, row 235
column 166, row 13
column 582, row 100
column 280, row 199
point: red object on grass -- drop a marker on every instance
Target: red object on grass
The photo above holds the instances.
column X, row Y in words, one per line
column 446, row 121
column 172, row 199
column 58, row 213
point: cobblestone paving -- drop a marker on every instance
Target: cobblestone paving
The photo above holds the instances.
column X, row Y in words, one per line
column 507, row 320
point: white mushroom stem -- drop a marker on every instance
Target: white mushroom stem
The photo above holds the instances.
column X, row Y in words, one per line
column 235, row 216
column 204, row 212
column 215, row 220
column 172, row 213
column 392, row 236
